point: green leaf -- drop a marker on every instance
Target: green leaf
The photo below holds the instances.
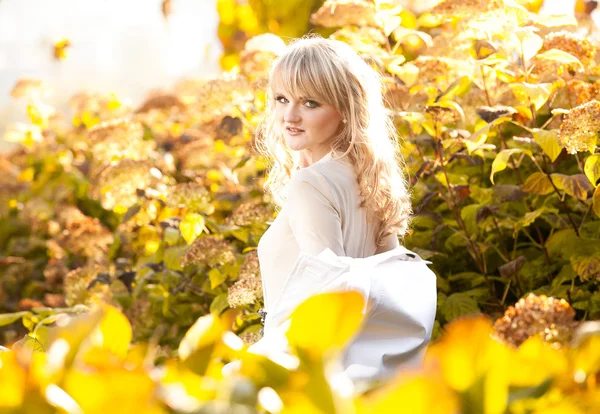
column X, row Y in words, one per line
column 501, row 161
column 530, row 217
column 458, row 304
column 191, row 227
column 592, row 168
column 219, row 304
column 538, row 183
column 216, row 278
column 548, row 140
column 468, row 214
column 8, row 318
column 586, row 267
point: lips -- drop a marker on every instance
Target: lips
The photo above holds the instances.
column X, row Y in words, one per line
column 290, row 129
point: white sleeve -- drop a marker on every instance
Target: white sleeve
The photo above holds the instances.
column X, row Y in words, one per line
column 313, row 217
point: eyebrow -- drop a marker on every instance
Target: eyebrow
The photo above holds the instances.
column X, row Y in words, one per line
column 300, row 97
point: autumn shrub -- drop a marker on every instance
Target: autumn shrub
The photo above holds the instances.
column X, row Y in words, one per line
column 155, row 213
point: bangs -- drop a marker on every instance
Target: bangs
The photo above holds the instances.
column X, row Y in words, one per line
column 301, row 74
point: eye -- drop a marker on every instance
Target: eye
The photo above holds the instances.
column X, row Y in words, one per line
column 279, row 99
column 313, row 104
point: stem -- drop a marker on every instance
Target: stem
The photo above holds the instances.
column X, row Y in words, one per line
column 487, row 95
column 560, row 198
column 585, row 216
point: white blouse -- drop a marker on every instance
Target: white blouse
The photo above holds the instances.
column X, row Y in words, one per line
column 322, row 211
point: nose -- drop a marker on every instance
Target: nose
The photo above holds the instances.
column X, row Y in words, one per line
column 291, row 115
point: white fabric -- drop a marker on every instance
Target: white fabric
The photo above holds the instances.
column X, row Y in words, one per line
column 400, row 290
column 322, row 211
column 323, row 240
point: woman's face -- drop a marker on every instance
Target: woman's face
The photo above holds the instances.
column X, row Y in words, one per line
column 307, row 124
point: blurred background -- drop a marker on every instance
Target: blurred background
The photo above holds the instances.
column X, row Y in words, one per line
column 127, row 47
column 131, row 47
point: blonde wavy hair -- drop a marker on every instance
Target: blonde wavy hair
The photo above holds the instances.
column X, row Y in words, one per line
column 331, row 71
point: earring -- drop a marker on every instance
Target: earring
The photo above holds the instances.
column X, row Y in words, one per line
column 345, row 121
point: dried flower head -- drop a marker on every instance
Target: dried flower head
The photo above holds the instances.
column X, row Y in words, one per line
column 258, row 54
column 338, row 13
column 580, row 127
column 122, row 127
column 87, row 285
column 245, row 292
column 113, row 140
column 250, row 338
column 438, row 70
column 217, row 96
column 28, row 87
column 250, row 213
column 210, row 251
column 248, row 289
column 552, row 319
column 162, row 100
column 466, row 7
column 117, row 185
column 442, row 115
column 55, row 272
column 584, row 91
column 191, row 196
column 250, row 266
column 572, row 43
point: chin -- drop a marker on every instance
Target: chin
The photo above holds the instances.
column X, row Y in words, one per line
column 294, row 145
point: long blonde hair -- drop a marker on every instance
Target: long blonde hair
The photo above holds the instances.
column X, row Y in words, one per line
column 332, row 72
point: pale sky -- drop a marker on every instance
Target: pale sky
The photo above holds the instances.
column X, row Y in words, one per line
column 121, row 46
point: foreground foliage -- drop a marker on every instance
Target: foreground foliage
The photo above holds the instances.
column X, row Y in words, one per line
column 90, row 367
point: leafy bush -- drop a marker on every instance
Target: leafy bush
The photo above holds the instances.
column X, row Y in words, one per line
column 155, row 213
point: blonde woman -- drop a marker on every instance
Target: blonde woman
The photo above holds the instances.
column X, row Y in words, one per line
column 335, row 170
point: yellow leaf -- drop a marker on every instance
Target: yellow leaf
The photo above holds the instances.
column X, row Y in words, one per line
column 575, row 185
column 555, row 20
column 465, row 352
column 408, row 73
column 115, row 390
column 458, row 88
column 113, row 333
column 414, row 395
column 596, row 201
column 592, row 168
column 197, row 346
column 534, row 361
column 501, row 161
column 537, row 94
column 26, row 175
column 530, row 42
column 389, row 23
column 560, row 56
column 191, row 227
column 13, row 381
column 60, row 49
column 538, row 183
column 339, row 317
column 548, row 140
